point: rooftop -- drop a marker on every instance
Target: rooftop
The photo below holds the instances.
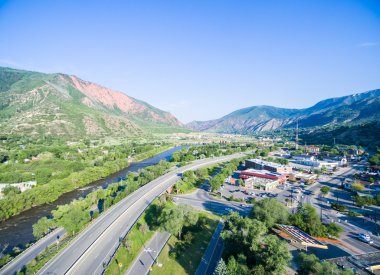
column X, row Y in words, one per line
column 263, row 162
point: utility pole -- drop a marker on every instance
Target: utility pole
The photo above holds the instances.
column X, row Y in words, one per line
column 334, row 142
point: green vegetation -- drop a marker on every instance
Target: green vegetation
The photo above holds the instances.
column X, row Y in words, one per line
column 226, row 171
column 59, row 168
column 364, row 200
column 357, row 187
column 338, row 207
column 132, row 244
column 364, row 134
column 78, row 213
column 174, row 219
column 183, row 256
column 270, row 212
column 309, row 264
column 193, row 179
column 307, row 219
column 37, row 263
column 325, row 190
column 375, row 159
column 278, row 160
column 250, row 250
column 351, row 213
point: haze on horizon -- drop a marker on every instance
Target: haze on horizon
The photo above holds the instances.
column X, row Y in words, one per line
column 201, row 59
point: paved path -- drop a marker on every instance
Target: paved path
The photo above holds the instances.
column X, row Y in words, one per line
column 149, row 254
column 212, row 253
column 30, row 253
column 98, row 242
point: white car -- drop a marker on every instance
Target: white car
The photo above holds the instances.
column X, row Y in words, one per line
column 365, row 238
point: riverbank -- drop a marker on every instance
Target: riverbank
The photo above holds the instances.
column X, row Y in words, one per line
column 17, row 230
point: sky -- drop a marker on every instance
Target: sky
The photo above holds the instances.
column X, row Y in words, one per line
column 201, row 59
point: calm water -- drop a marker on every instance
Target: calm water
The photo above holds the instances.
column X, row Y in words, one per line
column 17, row 230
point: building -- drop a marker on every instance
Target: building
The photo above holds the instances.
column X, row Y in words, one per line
column 261, row 179
column 312, row 149
column 260, row 183
column 309, row 160
column 362, row 264
column 259, row 164
column 21, row 185
column 308, row 178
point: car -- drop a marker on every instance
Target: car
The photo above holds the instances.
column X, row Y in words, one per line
column 228, row 209
column 364, row 238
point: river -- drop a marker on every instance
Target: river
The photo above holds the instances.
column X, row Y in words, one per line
column 17, row 230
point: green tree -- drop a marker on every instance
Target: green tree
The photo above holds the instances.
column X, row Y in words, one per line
column 274, row 256
column 173, row 219
column 10, row 190
column 357, row 187
column 221, row 268
column 242, row 235
column 75, row 219
column 270, row 211
column 241, row 182
column 325, row 190
column 334, row 229
column 363, row 200
column 310, row 264
column 41, row 227
column 307, row 219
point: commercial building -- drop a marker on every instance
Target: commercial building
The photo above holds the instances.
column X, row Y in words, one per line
column 309, row 160
column 259, row 164
column 306, row 177
column 261, row 179
column 312, row 149
column 260, row 183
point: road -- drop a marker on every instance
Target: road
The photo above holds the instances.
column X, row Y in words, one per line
column 212, row 254
column 95, row 246
column 329, row 215
column 201, row 199
column 28, row 255
column 149, row 254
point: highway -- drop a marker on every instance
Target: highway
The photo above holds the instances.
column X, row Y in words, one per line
column 28, row 255
column 95, row 246
column 149, row 254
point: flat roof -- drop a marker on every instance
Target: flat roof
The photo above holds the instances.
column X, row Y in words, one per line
column 263, row 172
column 264, row 162
column 301, row 236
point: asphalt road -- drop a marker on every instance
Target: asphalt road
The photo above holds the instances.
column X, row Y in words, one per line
column 212, row 254
column 149, row 254
column 201, row 199
column 88, row 252
column 328, row 214
column 28, row 255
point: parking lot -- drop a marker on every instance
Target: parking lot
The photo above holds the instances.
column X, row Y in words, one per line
column 291, row 191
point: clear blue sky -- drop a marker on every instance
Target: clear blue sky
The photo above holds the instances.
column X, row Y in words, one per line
column 201, row 59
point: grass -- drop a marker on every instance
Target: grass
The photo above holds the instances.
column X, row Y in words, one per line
column 186, row 262
column 45, row 256
column 136, row 239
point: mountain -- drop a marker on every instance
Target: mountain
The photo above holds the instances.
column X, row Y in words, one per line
column 347, row 110
column 35, row 103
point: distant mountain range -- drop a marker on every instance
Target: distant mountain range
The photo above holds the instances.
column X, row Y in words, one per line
column 346, row 111
column 64, row 105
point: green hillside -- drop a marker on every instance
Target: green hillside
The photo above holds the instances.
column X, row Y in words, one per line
column 34, row 103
